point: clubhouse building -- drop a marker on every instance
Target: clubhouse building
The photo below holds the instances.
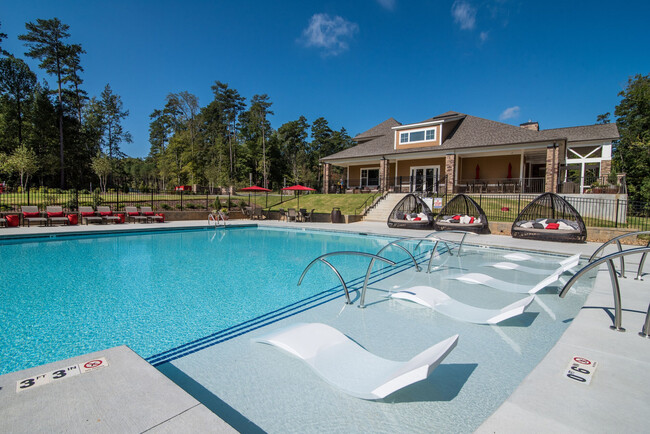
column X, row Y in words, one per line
column 454, row 153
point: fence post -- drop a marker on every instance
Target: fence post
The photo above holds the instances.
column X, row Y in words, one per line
column 480, row 200
column 207, row 200
column 28, row 195
column 519, row 204
column 152, row 207
column 181, row 200
column 616, row 221
column 76, row 199
column 117, row 198
column 229, row 199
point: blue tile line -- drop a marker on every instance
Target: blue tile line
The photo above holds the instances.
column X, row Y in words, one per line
column 295, row 305
column 274, row 316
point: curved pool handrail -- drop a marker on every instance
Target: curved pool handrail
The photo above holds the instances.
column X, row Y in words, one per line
column 617, row 240
column 614, row 279
column 345, row 287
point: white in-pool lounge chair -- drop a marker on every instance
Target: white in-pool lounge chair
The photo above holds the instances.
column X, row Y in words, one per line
column 441, row 302
column 484, row 279
column 519, row 257
column 565, row 265
column 349, row 367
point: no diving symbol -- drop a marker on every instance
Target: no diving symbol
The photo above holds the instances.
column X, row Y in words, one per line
column 93, row 364
column 582, row 361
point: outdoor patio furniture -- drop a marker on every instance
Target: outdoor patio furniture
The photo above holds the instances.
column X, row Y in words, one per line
column 3, row 221
column 55, row 214
column 462, row 213
column 150, row 215
column 283, row 214
column 256, row 213
column 292, row 215
column 132, row 214
column 549, row 217
column 411, row 212
column 307, row 216
column 348, row 366
column 88, row 215
column 107, row 215
column 31, row 214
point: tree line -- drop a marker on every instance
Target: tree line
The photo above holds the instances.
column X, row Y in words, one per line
column 61, row 137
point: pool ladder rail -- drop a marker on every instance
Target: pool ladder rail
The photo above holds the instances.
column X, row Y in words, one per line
column 215, row 220
column 616, row 290
column 374, row 258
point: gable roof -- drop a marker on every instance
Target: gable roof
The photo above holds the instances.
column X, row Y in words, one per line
column 379, row 130
column 470, row 132
column 588, row 132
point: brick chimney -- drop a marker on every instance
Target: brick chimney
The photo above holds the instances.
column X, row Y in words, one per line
column 530, row 125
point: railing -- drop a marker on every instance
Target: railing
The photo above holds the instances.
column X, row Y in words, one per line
column 345, row 287
column 617, row 240
column 369, row 203
column 609, row 260
column 501, row 185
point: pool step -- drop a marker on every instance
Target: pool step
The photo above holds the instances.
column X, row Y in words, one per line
column 381, row 212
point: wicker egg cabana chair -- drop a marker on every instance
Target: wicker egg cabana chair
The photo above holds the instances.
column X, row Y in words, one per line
column 464, row 214
column 551, row 218
column 411, row 213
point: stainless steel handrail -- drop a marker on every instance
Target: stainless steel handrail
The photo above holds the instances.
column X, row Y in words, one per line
column 345, row 287
column 211, row 218
column 462, row 240
column 395, row 243
column 617, row 240
column 614, row 279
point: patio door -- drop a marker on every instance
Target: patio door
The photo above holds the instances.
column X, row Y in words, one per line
column 425, row 179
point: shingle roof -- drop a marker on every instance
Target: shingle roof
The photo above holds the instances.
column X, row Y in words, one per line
column 471, row 132
column 379, row 130
column 588, row 132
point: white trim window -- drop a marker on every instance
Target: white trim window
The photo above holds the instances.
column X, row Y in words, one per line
column 369, row 177
column 418, row 136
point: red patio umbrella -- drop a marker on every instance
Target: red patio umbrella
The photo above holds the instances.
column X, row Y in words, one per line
column 298, row 188
column 253, row 188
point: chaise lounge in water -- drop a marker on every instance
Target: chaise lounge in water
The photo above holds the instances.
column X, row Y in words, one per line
column 484, row 279
column 349, row 367
column 565, row 265
column 442, row 303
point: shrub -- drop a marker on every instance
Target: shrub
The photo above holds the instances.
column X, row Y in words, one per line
column 166, row 206
column 242, row 204
column 191, row 205
column 178, row 206
column 216, row 204
column 97, row 197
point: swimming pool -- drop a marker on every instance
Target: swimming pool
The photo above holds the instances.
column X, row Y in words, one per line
column 190, row 301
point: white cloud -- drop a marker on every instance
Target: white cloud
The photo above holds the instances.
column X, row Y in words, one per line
column 329, row 33
column 483, row 36
column 387, row 4
column 464, row 14
column 510, row 113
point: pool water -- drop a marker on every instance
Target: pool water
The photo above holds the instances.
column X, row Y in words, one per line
column 190, row 302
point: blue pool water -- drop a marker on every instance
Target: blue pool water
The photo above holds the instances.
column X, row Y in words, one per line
column 64, row 297
column 190, row 301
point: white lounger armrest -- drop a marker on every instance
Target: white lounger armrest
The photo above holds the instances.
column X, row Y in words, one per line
column 349, row 367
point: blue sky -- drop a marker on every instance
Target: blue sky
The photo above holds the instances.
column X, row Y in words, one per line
column 356, row 63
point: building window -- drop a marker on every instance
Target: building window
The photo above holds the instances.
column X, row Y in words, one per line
column 369, row 177
column 418, row 136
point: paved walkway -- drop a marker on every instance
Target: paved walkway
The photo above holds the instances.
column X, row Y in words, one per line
column 616, row 400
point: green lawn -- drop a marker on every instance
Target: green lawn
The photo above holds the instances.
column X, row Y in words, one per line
column 323, row 203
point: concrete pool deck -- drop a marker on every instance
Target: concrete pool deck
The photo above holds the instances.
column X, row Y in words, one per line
column 615, row 400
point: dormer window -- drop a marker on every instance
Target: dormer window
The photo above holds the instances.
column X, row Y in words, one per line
column 418, row 136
